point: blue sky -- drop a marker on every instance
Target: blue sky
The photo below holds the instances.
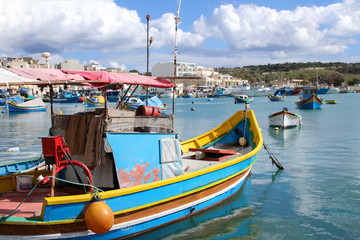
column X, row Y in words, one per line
column 211, row 33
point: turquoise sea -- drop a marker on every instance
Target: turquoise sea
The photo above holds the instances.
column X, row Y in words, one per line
column 317, row 196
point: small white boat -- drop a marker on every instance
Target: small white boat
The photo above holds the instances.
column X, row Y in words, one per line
column 284, row 119
column 242, row 98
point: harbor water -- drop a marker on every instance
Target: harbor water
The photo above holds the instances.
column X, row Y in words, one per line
column 317, row 196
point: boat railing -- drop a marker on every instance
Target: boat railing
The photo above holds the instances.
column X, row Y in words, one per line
column 119, row 121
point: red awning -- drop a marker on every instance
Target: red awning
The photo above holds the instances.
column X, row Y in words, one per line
column 97, row 78
column 124, row 78
column 44, row 74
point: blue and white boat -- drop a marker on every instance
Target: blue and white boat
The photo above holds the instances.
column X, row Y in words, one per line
column 34, row 105
column 66, row 97
column 276, row 97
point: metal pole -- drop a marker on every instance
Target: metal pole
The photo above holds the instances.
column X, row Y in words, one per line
column 177, row 20
column 147, row 62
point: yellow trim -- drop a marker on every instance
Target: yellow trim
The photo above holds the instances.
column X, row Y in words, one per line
column 216, row 132
column 132, row 209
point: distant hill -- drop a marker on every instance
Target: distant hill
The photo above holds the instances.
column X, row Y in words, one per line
column 333, row 73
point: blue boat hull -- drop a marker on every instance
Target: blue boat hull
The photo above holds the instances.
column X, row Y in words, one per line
column 21, row 166
column 66, row 100
column 175, row 215
column 312, row 102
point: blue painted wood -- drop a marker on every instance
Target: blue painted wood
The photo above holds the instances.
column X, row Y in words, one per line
column 139, row 154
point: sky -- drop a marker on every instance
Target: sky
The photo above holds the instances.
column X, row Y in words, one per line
column 113, row 33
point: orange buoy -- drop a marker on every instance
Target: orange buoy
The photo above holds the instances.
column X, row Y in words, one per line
column 99, row 217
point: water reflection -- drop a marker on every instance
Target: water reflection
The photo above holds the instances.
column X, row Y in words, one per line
column 283, row 135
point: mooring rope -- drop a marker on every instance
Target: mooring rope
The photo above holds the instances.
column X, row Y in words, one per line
column 273, row 158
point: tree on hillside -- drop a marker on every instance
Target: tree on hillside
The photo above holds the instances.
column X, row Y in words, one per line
column 335, row 79
column 134, row 71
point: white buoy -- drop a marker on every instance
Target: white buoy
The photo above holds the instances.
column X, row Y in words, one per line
column 13, row 149
column 192, row 109
column 242, row 141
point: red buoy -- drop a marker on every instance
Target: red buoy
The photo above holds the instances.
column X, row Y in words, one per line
column 144, row 110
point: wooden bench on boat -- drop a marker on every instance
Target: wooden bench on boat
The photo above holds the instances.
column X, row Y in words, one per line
column 212, row 154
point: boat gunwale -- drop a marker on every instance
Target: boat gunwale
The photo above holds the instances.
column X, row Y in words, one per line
column 39, row 221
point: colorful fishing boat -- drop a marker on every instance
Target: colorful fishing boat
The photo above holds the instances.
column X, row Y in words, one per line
column 309, row 99
column 137, row 173
column 276, row 97
column 34, row 105
column 95, row 101
column 284, row 119
column 333, row 101
column 66, row 97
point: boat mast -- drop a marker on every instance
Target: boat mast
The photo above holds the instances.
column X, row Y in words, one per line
column 177, row 20
column 147, row 59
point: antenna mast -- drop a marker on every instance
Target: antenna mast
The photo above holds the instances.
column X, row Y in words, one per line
column 177, row 20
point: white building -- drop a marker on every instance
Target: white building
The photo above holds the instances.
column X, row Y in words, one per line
column 167, row 69
column 94, row 67
column 206, row 71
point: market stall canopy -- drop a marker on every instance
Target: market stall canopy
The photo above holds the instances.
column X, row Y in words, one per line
column 92, row 78
column 10, row 77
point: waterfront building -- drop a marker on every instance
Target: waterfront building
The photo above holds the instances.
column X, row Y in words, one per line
column 23, row 62
column 71, row 64
column 167, row 69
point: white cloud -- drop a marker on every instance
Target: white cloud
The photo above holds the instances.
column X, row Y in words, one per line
column 56, row 26
column 115, row 34
column 305, row 30
column 117, row 65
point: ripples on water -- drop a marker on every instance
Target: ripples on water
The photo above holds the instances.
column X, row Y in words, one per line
column 317, row 196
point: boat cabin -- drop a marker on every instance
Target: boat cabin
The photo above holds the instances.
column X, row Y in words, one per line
column 309, row 91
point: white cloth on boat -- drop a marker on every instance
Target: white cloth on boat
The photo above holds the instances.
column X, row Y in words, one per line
column 171, row 162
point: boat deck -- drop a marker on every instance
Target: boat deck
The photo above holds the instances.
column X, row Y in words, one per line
column 191, row 164
column 33, row 204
